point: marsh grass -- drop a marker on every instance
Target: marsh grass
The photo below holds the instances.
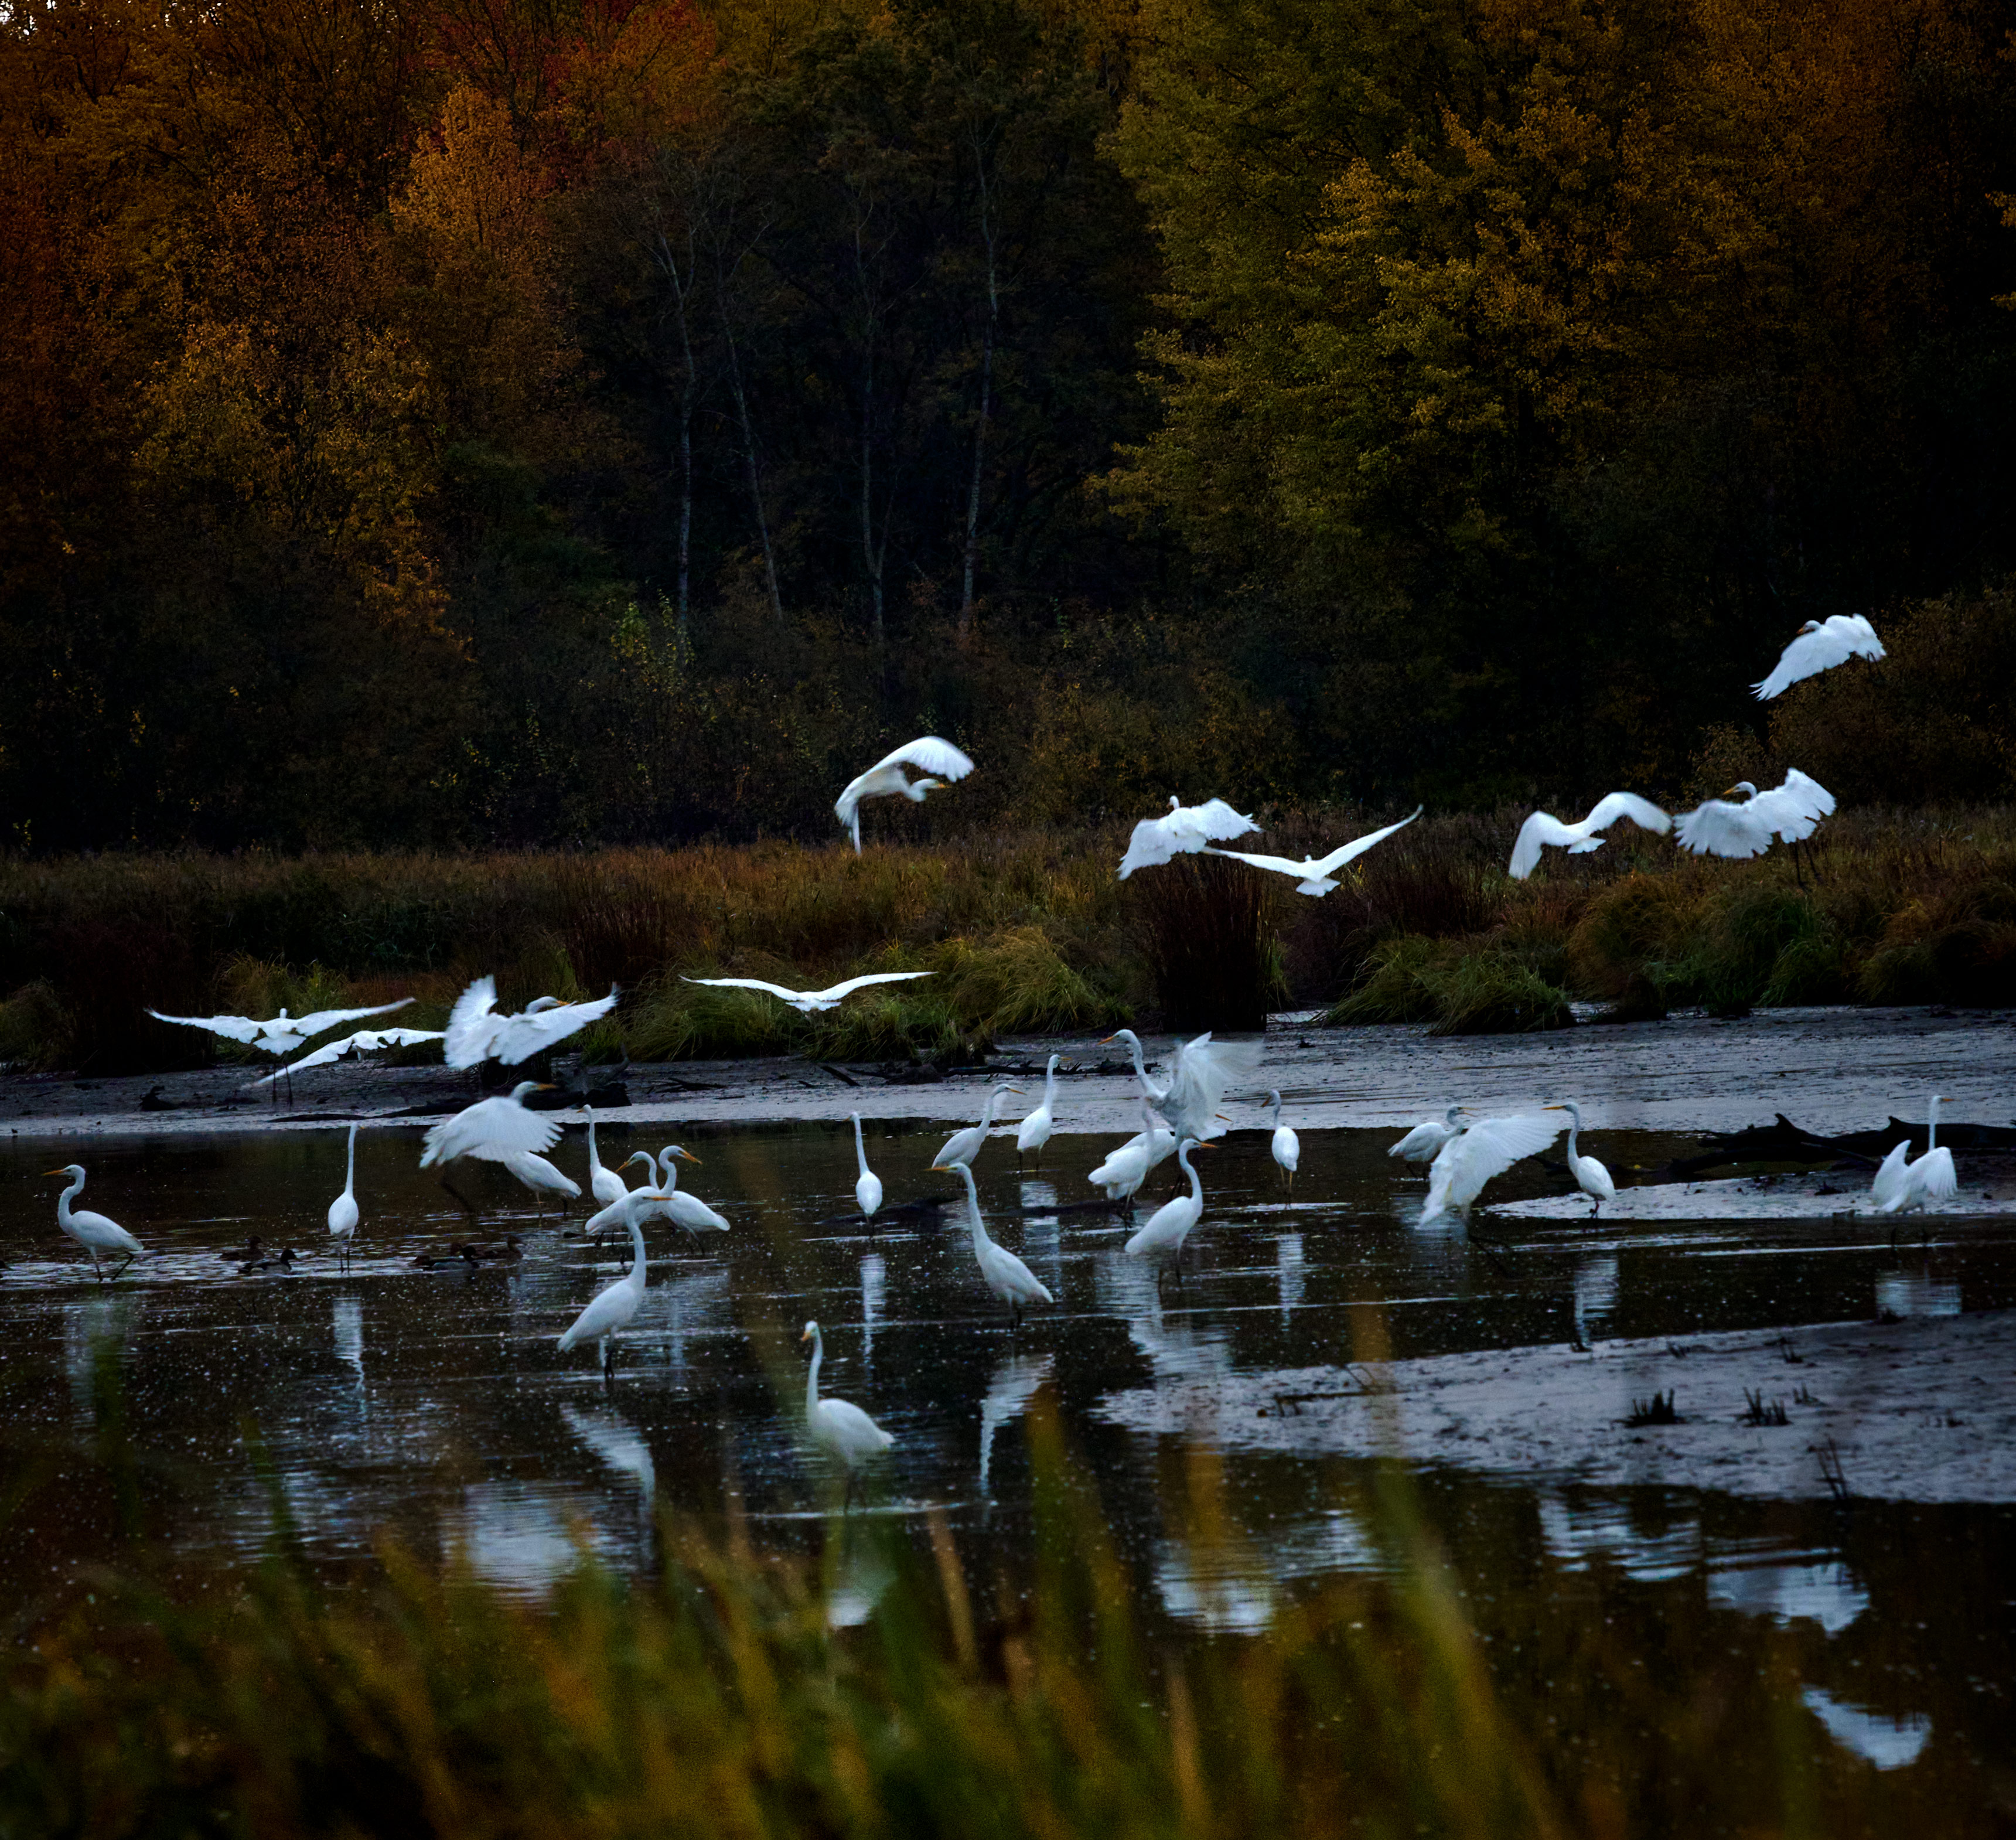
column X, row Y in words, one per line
column 1207, row 928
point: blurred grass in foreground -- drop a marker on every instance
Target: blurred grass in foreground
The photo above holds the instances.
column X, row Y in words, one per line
column 1026, row 931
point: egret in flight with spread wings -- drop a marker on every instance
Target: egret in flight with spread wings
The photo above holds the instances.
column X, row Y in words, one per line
column 1200, row 1074
column 1721, row 827
column 887, row 779
column 1182, row 830
column 1421, row 1143
column 96, row 1234
column 282, row 1034
column 841, row 1429
column 1820, row 645
column 1471, row 1158
column 1000, row 1270
column 476, row 1033
column 1578, row 840
column 807, row 1003
column 1902, row 1185
column 366, row 1041
column 491, row 1129
column 1314, row 874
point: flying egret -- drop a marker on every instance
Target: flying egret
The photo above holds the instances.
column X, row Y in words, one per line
column 366, row 1041
column 540, row 1177
column 1170, row 1224
column 688, row 1210
column 1002, row 1273
column 1420, row 1144
column 1180, row 831
column 1287, row 1146
column 613, row 1308
column 603, row 1183
column 492, row 1127
column 963, row 1146
column 1314, row 874
column 807, row 1003
column 1590, row 1175
column 1126, row 1168
column 279, row 1036
column 1719, row 827
column 867, row 1184
column 1578, row 840
column 887, row 779
column 342, row 1209
column 1034, row 1132
column 1819, row 645
column 476, row 1032
column 1901, row 1187
column 1201, row 1072
column 1470, row 1159
column 841, row 1429
column 93, row 1232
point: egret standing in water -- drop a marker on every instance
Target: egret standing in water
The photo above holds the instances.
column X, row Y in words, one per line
column 1035, row 1130
column 1287, row 1146
column 614, row 1307
column 1002, row 1273
column 603, row 1183
column 867, row 1184
column 1126, row 1168
column 1421, row 1144
column 1590, row 1175
column 689, row 1211
column 963, row 1146
column 1487, row 1149
column 844, row 1430
column 1170, row 1224
column 342, row 1209
column 93, row 1232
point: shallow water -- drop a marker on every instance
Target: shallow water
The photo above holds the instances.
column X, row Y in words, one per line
column 434, row 1405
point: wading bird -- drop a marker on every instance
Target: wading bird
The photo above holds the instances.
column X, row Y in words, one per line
column 603, row 1183
column 1127, row 1167
column 1720, row 827
column 1578, row 840
column 1901, row 1187
column 1034, row 1132
column 887, row 779
column 476, row 1032
column 342, row 1209
column 1820, row 645
column 688, row 1211
column 867, row 1184
column 1421, row 1143
column 1200, row 1074
column 1313, row 874
column 366, row 1041
column 1000, row 1270
column 1590, row 1175
column 844, row 1430
column 1169, row 1226
column 612, row 1309
column 490, row 1131
column 807, row 1003
column 647, row 1195
column 540, row 1177
column 1471, row 1158
column 963, row 1146
column 1287, row 1146
column 1182, row 830
column 96, row 1234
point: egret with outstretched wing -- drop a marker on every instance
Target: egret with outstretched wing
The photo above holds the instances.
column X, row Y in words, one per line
column 1313, row 874
column 366, row 1041
column 807, row 1003
column 1201, row 1073
column 491, row 1129
column 476, row 1032
column 1722, row 827
column 281, row 1034
column 1578, row 840
column 1487, row 1149
column 1182, row 830
column 886, row 780
column 1819, row 645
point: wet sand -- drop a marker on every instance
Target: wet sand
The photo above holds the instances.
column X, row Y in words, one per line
column 1832, row 1070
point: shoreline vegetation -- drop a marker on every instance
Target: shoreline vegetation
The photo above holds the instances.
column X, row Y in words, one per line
column 1027, row 931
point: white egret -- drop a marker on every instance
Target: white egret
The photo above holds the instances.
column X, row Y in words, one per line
column 1720, row 827
column 867, row 1184
column 1034, row 1132
column 491, row 1128
column 1819, row 645
column 887, row 779
column 840, row 1428
column 280, row 1035
column 366, row 1041
column 647, row 1195
column 1314, row 874
column 688, row 1210
column 1201, row 1072
column 476, row 1033
column 342, row 1209
column 1901, row 1187
column 1421, row 1143
column 96, row 1234
column 1578, row 840
column 1170, row 1224
column 1002, row 1273
column 540, row 1177
column 1182, row 830
column 613, row 1308
column 1470, row 1159
column 1287, row 1146
column 1126, row 1168
column 963, row 1146
column 807, row 1003
column 603, row 1183
column 1591, row 1177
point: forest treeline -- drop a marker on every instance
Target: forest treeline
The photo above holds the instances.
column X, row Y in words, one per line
column 475, row 422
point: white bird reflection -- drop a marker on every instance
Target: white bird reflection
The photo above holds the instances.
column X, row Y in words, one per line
column 1889, row 1744
column 1236, row 1586
column 1127, row 1288
column 1595, row 1294
column 620, row 1446
column 690, row 1307
column 1042, row 1247
column 1916, row 1294
column 346, row 1328
column 519, row 1536
column 1288, row 1272
column 861, row 1573
column 1014, row 1384
column 1823, row 1593
column 94, row 1328
column 874, row 1290
column 1580, row 1529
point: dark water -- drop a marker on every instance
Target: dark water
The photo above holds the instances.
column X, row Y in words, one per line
column 434, row 1406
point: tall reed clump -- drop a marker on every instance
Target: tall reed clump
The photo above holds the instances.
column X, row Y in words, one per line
column 1207, row 928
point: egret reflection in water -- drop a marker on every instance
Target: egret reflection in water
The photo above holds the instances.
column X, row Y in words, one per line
column 874, row 1290
column 1595, row 1294
column 1889, row 1744
column 1289, row 1278
column 1013, row 1385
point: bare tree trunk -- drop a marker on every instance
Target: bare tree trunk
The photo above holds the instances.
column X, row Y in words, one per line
column 986, row 396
